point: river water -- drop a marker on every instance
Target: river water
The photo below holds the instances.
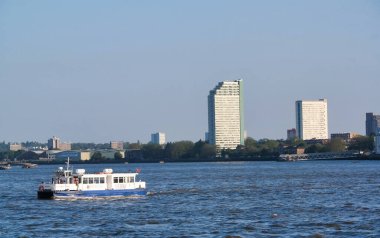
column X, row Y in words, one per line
column 246, row 199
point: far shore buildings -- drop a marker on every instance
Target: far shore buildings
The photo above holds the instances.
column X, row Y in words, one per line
column 225, row 115
column 158, row 138
column 377, row 144
column 344, row 136
column 291, row 134
column 372, row 124
column 311, row 119
column 53, row 143
column 56, row 144
column 117, row 145
column 15, row 147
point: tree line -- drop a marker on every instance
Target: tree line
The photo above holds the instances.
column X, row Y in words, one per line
column 201, row 150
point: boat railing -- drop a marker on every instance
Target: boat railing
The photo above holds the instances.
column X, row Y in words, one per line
column 140, row 184
column 63, row 187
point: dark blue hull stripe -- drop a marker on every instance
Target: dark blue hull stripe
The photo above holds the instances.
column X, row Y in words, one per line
column 101, row 193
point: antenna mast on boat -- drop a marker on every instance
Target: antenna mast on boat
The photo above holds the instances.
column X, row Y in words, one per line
column 68, row 163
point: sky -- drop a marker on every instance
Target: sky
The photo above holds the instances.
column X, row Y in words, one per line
column 98, row 71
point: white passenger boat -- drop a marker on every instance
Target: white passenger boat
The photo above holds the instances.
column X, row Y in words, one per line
column 67, row 184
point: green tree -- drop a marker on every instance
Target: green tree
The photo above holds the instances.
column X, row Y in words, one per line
column 118, row 155
column 268, row 147
column 316, row 148
column 202, row 150
column 251, row 146
column 336, row 145
column 97, row 156
column 178, row 150
column 134, row 146
column 208, row 151
column 363, row 143
column 153, row 152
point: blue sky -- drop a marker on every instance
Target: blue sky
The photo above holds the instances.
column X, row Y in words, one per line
column 95, row 71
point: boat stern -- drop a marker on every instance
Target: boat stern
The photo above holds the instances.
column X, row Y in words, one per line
column 45, row 194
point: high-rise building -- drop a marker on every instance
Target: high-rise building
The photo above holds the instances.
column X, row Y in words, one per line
column 158, row 138
column 377, row 144
column 372, row 124
column 117, row 145
column 225, row 115
column 291, row 134
column 311, row 119
column 54, row 143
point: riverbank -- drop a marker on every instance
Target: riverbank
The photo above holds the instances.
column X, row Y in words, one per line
column 192, row 160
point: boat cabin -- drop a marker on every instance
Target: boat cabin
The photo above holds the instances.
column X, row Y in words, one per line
column 66, row 180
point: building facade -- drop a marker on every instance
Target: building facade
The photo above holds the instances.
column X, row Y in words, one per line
column 312, row 119
column 377, row 144
column 117, row 145
column 15, row 147
column 54, row 143
column 372, row 123
column 225, row 115
column 64, row 146
column 73, row 155
column 344, row 136
column 158, row 138
column 291, row 134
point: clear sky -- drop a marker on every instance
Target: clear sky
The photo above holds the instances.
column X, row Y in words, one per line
column 95, row 71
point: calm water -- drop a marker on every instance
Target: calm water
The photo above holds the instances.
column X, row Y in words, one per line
column 247, row 199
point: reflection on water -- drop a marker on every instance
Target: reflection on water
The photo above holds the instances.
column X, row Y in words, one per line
column 246, row 199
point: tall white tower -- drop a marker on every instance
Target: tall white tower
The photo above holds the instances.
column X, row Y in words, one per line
column 225, row 115
column 311, row 119
column 158, row 138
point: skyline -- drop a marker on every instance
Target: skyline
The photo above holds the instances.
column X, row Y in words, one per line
column 123, row 70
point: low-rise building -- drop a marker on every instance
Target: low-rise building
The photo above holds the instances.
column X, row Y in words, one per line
column 292, row 150
column 65, row 146
column 317, row 141
column 15, row 147
column 117, row 145
column 110, row 154
column 73, row 155
column 344, row 136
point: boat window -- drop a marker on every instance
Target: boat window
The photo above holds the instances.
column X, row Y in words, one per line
column 115, row 180
column 85, row 180
column 121, row 180
column 101, row 180
column 90, row 180
column 96, row 180
column 132, row 179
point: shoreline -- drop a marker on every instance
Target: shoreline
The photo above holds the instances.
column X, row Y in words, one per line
column 193, row 160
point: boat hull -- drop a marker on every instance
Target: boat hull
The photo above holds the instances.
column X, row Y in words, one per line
column 100, row 193
column 46, row 194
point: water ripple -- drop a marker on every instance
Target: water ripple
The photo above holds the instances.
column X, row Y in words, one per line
column 244, row 199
